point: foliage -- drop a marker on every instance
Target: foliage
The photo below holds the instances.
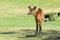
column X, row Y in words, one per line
column 52, row 18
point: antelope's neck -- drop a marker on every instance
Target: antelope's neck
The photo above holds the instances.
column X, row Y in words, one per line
column 34, row 14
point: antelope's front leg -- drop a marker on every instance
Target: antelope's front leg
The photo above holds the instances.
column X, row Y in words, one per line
column 36, row 32
column 40, row 29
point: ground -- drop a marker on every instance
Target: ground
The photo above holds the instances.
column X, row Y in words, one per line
column 22, row 33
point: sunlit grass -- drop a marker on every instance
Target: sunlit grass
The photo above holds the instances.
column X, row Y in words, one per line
column 25, row 21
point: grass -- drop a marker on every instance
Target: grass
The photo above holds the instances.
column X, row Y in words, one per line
column 17, row 21
column 24, row 21
column 10, row 33
column 26, row 3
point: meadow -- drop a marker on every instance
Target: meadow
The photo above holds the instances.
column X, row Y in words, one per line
column 15, row 23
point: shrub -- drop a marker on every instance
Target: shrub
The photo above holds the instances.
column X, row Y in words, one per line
column 52, row 18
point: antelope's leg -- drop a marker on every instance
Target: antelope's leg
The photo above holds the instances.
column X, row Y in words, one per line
column 40, row 28
column 36, row 32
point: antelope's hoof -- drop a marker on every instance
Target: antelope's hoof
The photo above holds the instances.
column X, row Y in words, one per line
column 40, row 34
column 36, row 34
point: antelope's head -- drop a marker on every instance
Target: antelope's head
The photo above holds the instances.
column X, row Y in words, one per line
column 31, row 10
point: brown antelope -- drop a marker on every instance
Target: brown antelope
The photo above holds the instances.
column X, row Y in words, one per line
column 38, row 14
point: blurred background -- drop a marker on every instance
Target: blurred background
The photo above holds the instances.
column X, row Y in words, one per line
column 13, row 13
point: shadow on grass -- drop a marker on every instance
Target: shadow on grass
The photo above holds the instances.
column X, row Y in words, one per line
column 27, row 33
column 10, row 32
column 27, row 36
column 53, row 34
column 53, row 37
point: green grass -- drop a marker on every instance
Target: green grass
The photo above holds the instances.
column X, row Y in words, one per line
column 12, row 33
column 24, row 21
column 17, row 21
column 38, row 3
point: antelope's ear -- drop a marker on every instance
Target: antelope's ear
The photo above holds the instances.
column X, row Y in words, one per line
column 29, row 7
column 34, row 7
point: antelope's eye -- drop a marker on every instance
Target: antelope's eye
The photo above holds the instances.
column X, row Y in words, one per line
column 31, row 10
